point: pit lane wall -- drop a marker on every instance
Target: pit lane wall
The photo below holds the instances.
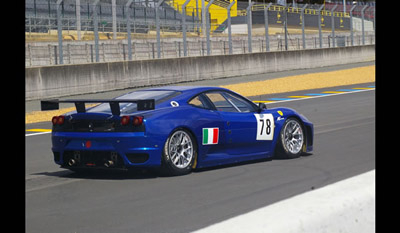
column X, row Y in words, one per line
column 62, row 80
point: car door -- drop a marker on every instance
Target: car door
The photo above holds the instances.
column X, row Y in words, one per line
column 209, row 128
column 247, row 132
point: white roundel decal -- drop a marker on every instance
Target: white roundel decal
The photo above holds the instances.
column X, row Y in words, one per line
column 174, row 104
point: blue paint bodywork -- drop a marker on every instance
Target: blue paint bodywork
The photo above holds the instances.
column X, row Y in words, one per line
column 237, row 132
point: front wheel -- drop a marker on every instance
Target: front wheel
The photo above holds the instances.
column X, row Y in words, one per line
column 179, row 153
column 291, row 139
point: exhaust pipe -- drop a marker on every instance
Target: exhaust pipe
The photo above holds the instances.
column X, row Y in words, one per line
column 71, row 162
column 109, row 163
column 112, row 161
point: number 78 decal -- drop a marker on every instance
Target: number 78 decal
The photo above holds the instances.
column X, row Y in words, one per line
column 265, row 126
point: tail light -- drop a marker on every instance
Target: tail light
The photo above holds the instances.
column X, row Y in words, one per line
column 61, row 120
column 58, row 120
column 54, row 120
column 137, row 120
column 125, row 120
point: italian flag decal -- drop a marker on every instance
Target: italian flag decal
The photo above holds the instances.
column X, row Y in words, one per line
column 210, row 136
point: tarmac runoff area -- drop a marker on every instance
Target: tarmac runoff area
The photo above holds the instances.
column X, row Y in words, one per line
column 308, row 81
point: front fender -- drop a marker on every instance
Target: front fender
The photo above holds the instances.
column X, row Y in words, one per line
column 280, row 116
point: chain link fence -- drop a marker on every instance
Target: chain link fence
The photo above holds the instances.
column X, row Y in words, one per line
column 82, row 31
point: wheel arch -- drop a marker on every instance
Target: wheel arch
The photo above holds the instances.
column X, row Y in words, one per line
column 303, row 125
column 306, row 129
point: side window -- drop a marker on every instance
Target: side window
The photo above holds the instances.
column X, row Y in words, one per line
column 221, row 103
column 199, row 102
column 241, row 104
column 227, row 102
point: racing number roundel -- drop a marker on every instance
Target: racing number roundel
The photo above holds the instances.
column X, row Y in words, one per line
column 265, row 126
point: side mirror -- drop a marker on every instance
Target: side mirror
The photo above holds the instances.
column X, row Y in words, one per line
column 261, row 106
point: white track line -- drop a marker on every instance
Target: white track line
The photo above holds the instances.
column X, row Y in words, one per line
column 320, row 96
column 35, row 134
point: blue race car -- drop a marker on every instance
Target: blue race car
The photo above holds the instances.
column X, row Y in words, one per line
column 175, row 128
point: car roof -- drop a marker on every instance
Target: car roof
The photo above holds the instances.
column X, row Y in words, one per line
column 186, row 92
column 184, row 88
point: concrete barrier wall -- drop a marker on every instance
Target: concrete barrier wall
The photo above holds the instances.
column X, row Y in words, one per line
column 63, row 80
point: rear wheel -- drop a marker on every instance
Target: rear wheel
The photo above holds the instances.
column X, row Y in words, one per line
column 179, row 153
column 291, row 139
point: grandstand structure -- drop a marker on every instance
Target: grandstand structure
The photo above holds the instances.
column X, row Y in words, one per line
column 80, row 34
column 41, row 15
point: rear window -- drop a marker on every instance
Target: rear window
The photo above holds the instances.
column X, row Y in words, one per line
column 126, row 108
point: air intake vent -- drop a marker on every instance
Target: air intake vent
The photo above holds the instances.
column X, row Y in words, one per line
column 137, row 157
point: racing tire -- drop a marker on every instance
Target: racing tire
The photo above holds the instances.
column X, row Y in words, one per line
column 291, row 139
column 179, row 153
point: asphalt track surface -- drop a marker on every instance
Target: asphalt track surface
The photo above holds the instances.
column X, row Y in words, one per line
column 58, row 200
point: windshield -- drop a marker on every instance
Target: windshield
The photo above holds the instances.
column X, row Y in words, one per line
column 126, row 108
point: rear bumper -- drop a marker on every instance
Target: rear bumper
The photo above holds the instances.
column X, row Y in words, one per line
column 109, row 150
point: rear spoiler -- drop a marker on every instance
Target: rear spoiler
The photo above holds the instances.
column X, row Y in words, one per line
column 147, row 104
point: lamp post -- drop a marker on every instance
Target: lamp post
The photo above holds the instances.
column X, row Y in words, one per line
column 158, row 28
column 128, row 27
column 249, row 24
column 59, row 32
column 184, row 27
column 208, row 27
column 229, row 27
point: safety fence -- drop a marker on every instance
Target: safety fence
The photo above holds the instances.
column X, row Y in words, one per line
column 78, row 52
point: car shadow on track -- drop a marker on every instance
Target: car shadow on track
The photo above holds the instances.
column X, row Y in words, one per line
column 102, row 174
column 247, row 163
column 143, row 173
column 239, row 164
